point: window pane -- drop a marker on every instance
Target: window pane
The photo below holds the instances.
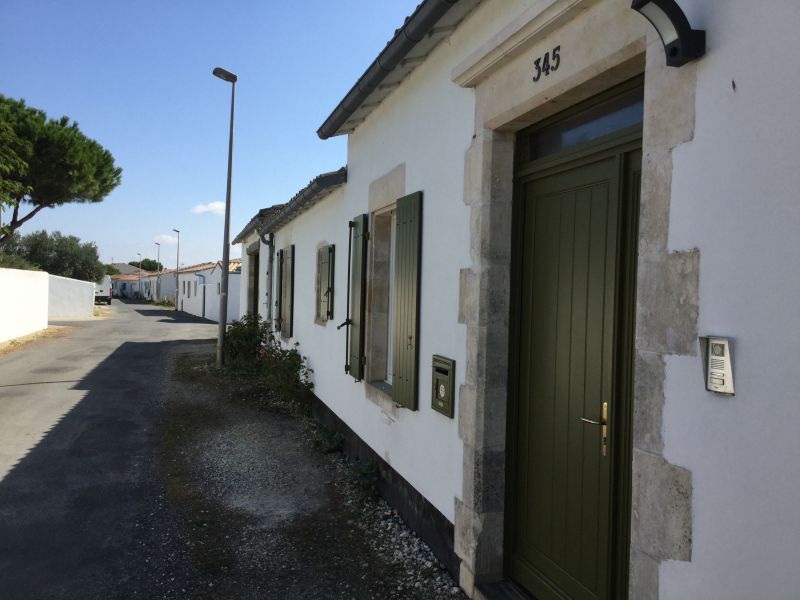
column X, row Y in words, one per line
column 591, row 124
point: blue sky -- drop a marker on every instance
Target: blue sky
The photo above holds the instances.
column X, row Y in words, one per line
column 136, row 76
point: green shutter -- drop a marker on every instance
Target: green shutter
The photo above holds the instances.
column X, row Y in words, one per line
column 278, row 290
column 287, row 289
column 358, row 289
column 325, row 283
column 405, row 332
column 331, row 264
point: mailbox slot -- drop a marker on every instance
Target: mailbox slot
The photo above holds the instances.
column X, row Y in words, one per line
column 443, row 385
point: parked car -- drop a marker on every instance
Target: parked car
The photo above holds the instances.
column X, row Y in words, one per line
column 102, row 290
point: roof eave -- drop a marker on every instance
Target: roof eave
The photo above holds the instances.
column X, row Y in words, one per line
column 319, row 187
column 409, row 47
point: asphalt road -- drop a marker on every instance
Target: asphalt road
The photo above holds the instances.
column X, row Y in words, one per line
column 82, row 509
column 130, row 468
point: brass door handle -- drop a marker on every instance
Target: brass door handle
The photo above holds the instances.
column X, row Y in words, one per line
column 603, row 423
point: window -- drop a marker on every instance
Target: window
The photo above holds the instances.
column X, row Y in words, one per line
column 396, row 248
column 183, row 288
column 324, row 284
column 195, row 287
column 380, row 297
column 285, row 295
column 218, row 289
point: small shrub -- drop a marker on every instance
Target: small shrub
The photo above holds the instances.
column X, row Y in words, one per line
column 366, row 476
column 325, row 439
column 244, row 343
column 251, row 348
column 285, row 371
column 167, row 302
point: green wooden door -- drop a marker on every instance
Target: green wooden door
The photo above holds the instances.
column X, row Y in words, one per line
column 563, row 370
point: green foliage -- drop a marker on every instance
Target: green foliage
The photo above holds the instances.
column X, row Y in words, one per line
column 12, row 261
column 48, row 162
column 63, row 255
column 286, row 371
column 366, row 475
column 167, row 302
column 12, row 168
column 243, row 343
column 250, row 347
column 147, row 264
column 327, row 439
column 111, row 269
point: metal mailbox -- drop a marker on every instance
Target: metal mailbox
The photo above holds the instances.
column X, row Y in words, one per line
column 443, row 385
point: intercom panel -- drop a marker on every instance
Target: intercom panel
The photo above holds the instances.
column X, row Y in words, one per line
column 718, row 364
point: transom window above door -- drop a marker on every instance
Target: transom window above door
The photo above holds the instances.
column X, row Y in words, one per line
column 590, row 124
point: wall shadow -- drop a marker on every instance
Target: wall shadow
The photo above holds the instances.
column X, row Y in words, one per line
column 83, row 514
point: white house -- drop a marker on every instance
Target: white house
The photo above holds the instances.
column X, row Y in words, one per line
column 563, row 239
column 213, row 289
column 199, row 290
column 191, row 288
column 132, row 285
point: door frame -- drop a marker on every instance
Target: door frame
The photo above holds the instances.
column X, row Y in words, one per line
column 623, row 143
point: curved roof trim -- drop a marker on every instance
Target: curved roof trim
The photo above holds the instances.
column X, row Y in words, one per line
column 432, row 22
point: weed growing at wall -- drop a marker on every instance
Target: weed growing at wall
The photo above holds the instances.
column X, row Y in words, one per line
column 251, row 348
column 366, row 475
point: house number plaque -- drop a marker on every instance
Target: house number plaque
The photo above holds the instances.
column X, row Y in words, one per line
column 546, row 64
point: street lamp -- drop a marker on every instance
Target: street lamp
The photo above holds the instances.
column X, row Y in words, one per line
column 223, row 295
column 158, row 271
column 177, row 267
column 139, row 254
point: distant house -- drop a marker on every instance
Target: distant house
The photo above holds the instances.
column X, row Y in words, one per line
column 199, row 288
column 133, row 285
column 214, row 286
column 191, row 285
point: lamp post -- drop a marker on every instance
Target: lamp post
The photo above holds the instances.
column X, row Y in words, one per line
column 139, row 254
column 158, row 271
column 223, row 295
column 177, row 267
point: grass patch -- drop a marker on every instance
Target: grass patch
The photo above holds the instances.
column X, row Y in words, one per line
column 17, row 343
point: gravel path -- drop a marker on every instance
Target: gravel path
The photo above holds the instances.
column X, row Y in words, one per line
column 267, row 514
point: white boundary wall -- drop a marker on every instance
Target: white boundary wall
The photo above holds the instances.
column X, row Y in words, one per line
column 70, row 299
column 23, row 302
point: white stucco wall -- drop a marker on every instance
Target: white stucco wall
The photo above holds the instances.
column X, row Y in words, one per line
column 427, row 125
column 23, row 302
column 164, row 286
column 193, row 303
column 70, row 299
column 189, row 300
column 734, row 197
column 212, row 297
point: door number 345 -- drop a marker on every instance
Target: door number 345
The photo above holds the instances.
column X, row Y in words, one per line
column 543, row 65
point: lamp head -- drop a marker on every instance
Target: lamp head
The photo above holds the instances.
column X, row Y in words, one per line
column 681, row 43
column 224, row 75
